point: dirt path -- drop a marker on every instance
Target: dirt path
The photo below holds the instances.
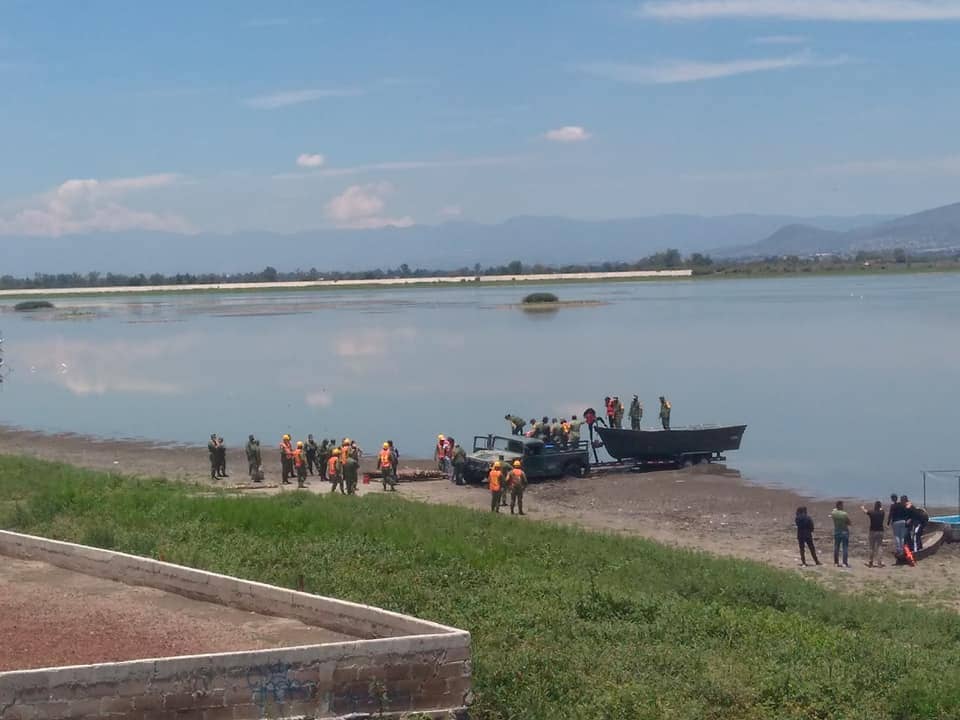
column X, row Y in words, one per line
column 708, row 508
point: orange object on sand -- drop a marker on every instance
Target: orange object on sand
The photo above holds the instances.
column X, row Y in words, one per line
column 909, row 556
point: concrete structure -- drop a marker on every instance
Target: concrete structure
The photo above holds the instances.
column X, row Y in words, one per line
column 402, row 665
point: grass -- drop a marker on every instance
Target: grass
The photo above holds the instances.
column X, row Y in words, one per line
column 565, row 623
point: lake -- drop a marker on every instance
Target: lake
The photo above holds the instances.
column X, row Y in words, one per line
column 848, row 384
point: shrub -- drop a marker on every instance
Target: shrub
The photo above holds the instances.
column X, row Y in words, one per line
column 540, row 297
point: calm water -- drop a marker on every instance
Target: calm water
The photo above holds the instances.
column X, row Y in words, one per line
column 849, row 385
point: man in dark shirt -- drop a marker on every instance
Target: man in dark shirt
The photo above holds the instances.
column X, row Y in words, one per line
column 876, row 533
column 898, row 520
column 805, row 535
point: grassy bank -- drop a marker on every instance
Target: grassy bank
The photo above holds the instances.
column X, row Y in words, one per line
column 565, row 623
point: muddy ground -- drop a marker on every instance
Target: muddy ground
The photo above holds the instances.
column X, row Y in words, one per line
column 709, row 508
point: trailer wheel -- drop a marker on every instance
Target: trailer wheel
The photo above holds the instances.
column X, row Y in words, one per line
column 575, row 469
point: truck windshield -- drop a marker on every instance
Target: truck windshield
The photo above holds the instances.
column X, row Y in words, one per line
column 508, row 445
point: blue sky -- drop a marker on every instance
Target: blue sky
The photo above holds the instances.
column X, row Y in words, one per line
column 285, row 116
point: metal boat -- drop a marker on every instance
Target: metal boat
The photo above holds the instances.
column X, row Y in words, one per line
column 679, row 445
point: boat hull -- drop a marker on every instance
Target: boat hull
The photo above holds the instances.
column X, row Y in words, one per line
column 671, row 445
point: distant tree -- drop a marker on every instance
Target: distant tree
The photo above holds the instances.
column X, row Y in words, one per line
column 269, row 274
column 699, row 260
column 900, row 255
column 515, row 268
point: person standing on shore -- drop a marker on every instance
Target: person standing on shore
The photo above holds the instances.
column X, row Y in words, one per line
column 517, row 481
column 300, row 464
column 841, row 533
column 459, row 463
column 221, row 458
column 385, row 465
column 312, row 449
column 665, row 408
column 876, row 533
column 333, row 469
column 286, row 459
column 495, row 481
column 897, row 518
column 804, row 525
column 323, row 454
column 252, row 451
column 636, row 412
column 212, row 451
column 351, row 472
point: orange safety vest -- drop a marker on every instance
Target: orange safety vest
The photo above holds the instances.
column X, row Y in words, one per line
column 515, row 476
column 298, row 457
column 494, row 477
column 386, row 458
column 332, row 465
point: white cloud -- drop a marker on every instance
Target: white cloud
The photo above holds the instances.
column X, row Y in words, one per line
column 286, row 98
column 361, row 206
column 780, row 40
column 373, row 342
column 320, row 398
column 450, row 211
column 567, row 134
column 829, row 10
column 308, row 160
column 681, row 71
column 88, row 205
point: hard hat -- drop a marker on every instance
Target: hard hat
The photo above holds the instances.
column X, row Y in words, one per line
column 346, row 441
column 386, row 445
column 299, row 443
column 496, row 463
column 334, row 451
column 516, row 463
column 286, row 437
column 440, row 436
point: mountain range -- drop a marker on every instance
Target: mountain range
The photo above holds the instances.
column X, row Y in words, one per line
column 451, row 245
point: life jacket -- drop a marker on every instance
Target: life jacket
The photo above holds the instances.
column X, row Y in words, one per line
column 565, row 428
column 386, row 458
column 286, row 448
column 516, row 477
column 495, row 477
column 447, row 448
column 332, row 465
column 298, row 457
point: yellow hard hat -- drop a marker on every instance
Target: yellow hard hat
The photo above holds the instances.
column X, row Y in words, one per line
column 440, row 437
column 299, row 443
column 516, row 463
column 386, row 446
column 334, row 451
column 346, row 441
column 496, row 463
column 286, row 437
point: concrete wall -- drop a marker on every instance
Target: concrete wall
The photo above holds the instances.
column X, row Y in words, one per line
column 410, row 665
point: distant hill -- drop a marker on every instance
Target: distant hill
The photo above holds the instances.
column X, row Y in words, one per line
column 936, row 229
column 451, row 245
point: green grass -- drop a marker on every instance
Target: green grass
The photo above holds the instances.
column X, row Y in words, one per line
column 565, row 623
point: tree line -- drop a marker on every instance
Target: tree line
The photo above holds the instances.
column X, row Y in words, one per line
column 668, row 259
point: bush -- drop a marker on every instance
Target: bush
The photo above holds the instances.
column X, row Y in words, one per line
column 540, row 297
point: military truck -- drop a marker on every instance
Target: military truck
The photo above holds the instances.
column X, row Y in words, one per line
column 538, row 459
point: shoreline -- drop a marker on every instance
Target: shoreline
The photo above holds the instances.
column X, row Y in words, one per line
column 435, row 281
column 710, row 509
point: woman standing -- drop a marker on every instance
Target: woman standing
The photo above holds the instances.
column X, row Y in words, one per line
column 805, row 535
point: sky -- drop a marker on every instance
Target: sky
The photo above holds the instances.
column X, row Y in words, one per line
column 242, row 115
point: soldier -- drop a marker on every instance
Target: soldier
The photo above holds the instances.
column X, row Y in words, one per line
column 495, row 481
column 385, row 465
column 252, row 451
column 300, row 464
column 459, row 463
column 516, row 424
column 617, row 411
column 610, row 410
column 350, row 470
column 312, row 454
column 534, row 428
column 636, row 412
column 573, row 436
column 517, row 481
column 212, row 451
column 565, row 431
column 286, row 459
column 333, row 470
column 323, row 454
column 665, row 412
column 221, row 458
column 394, row 458
column 545, row 429
column 556, row 432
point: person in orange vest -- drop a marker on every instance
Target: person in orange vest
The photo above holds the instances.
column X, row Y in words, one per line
column 286, row 459
column 440, row 453
column 495, row 480
column 385, row 465
column 517, row 482
column 333, row 470
column 300, row 464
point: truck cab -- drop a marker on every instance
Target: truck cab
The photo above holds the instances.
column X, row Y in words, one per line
column 538, row 459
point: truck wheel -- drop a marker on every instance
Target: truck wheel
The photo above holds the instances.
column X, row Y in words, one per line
column 575, row 469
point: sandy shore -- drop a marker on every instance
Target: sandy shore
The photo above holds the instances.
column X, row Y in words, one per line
column 372, row 282
column 709, row 508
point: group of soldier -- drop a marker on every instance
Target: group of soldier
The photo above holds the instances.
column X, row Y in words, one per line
column 336, row 463
column 560, row 432
column 500, row 480
column 614, row 412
